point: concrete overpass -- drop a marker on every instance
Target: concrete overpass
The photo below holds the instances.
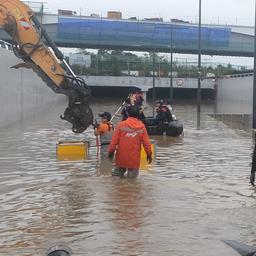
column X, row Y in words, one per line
column 183, row 88
column 145, row 83
column 97, row 33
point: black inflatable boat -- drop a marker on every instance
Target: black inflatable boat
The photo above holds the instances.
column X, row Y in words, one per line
column 164, row 123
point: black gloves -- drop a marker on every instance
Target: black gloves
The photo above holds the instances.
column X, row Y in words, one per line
column 95, row 125
column 252, row 178
column 149, row 159
column 111, row 155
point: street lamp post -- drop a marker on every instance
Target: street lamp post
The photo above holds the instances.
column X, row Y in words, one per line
column 254, row 81
column 171, row 80
column 199, row 69
column 253, row 167
column 154, row 85
column 128, row 68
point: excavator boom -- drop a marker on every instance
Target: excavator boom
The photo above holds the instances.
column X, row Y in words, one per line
column 32, row 44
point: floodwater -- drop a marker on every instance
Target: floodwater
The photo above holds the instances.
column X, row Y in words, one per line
column 195, row 193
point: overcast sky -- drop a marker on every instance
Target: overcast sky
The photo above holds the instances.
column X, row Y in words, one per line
column 222, row 11
column 213, row 11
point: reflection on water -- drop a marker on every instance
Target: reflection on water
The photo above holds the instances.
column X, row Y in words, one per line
column 195, row 193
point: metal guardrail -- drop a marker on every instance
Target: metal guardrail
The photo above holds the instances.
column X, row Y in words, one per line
column 37, row 7
column 97, row 40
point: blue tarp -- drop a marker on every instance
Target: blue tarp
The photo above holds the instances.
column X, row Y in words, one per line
column 139, row 33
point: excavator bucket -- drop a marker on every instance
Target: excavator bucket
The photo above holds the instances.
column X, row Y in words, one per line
column 80, row 116
column 78, row 112
column 34, row 46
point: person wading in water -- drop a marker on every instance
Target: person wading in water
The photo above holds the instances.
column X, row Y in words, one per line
column 127, row 139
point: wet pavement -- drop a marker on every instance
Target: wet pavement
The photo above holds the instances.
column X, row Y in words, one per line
column 195, row 193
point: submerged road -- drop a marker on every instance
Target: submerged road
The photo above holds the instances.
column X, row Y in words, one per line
column 195, row 193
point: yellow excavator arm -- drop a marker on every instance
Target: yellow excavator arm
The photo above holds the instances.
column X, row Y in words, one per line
column 32, row 44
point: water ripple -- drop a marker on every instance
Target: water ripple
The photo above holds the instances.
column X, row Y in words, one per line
column 195, row 193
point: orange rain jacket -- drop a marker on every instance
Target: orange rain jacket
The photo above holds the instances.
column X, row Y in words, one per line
column 127, row 139
column 104, row 128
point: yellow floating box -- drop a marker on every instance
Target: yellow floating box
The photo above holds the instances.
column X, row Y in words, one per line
column 72, row 150
column 143, row 157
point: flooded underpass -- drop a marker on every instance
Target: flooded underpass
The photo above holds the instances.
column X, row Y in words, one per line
column 195, row 193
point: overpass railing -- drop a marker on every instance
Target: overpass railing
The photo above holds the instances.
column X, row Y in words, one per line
column 146, row 36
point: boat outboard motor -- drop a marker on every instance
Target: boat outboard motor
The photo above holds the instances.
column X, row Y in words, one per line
column 59, row 250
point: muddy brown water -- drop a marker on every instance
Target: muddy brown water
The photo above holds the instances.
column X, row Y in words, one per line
column 195, row 193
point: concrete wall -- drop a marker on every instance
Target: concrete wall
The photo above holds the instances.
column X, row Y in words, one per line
column 234, row 95
column 22, row 92
column 145, row 83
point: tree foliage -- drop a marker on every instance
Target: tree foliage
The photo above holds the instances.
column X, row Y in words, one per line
column 117, row 62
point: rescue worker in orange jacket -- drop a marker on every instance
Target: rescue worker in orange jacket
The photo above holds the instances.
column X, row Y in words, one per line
column 105, row 130
column 104, row 126
column 126, row 141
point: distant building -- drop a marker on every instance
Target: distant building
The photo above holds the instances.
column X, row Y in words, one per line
column 65, row 12
column 174, row 74
column 179, row 21
column 95, row 15
column 80, row 59
column 156, row 73
column 154, row 19
column 132, row 18
column 114, row 15
column 210, row 75
column 130, row 72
